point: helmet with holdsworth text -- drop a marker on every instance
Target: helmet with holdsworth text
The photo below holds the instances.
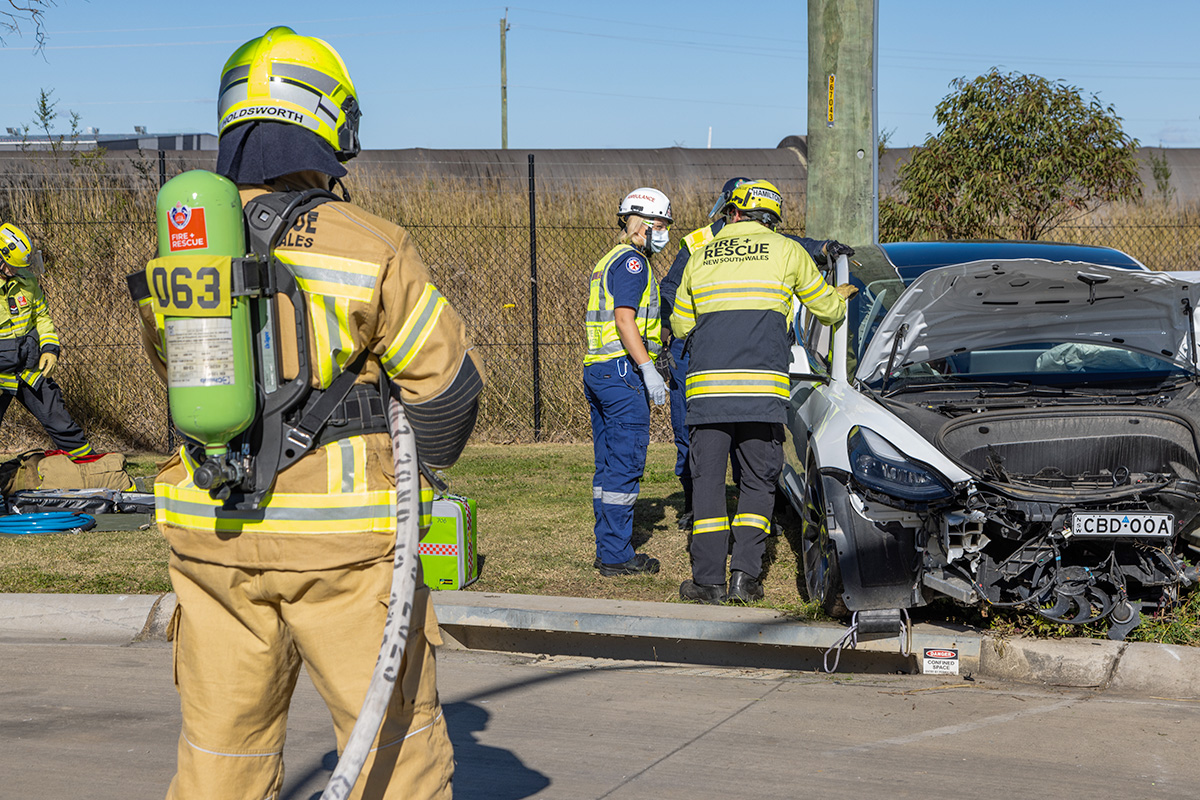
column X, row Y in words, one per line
column 284, row 77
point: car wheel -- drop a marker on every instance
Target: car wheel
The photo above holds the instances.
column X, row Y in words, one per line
column 822, row 578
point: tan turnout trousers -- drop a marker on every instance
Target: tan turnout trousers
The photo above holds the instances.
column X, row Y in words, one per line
column 240, row 636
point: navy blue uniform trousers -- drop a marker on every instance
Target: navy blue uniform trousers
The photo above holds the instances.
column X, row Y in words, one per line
column 620, row 409
column 47, row 406
column 679, row 416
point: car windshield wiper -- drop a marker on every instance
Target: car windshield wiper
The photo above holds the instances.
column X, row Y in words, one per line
column 950, row 384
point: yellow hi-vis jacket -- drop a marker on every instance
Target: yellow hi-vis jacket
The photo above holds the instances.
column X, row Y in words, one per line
column 27, row 318
column 603, row 340
column 366, row 288
column 733, row 304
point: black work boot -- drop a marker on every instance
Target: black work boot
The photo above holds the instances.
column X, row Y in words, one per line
column 638, row 564
column 713, row 594
column 743, row 588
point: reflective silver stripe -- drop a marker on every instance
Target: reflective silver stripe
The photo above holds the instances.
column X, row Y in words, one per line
column 709, row 295
column 176, row 506
column 711, row 381
column 234, row 74
column 334, row 328
column 601, row 316
column 347, row 448
column 309, row 75
column 608, row 349
column 294, row 93
column 329, row 112
column 236, row 93
column 332, row 276
column 597, row 492
column 618, row 498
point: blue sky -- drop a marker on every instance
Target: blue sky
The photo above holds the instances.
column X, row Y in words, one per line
column 593, row 74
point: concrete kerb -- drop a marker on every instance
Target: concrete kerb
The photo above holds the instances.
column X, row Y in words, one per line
column 669, row 632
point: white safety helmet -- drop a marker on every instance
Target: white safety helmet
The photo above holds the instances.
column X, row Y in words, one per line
column 647, row 203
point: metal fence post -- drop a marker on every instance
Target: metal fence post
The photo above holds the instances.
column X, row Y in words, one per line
column 162, row 178
column 533, row 307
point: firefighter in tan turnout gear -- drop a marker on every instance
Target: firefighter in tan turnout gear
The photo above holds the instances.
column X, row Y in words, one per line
column 305, row 577
column 733, row 304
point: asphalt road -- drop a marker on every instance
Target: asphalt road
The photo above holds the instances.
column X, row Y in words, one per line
column 100, row 722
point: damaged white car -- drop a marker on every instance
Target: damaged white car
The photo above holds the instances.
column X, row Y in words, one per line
column 1014, row 433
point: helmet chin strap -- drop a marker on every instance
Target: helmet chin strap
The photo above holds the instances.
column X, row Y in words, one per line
column 645, row 245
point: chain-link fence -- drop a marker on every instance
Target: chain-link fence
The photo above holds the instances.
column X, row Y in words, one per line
column 509, row 238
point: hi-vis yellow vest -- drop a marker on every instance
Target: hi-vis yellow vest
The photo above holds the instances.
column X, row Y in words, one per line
column 604, row 343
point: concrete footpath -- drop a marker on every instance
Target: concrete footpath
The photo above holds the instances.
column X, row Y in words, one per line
column 675, row 633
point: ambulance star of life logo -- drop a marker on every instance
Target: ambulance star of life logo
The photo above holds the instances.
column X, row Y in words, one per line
column 181, row 215
column 634, row 265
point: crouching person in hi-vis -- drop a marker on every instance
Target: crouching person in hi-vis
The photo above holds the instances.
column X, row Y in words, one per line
column 29, row 346
column 304, row 577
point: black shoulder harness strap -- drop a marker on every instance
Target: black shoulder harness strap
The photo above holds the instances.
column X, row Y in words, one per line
column 268, row 216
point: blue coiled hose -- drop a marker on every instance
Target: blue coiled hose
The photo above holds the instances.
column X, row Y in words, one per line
column 51, row 522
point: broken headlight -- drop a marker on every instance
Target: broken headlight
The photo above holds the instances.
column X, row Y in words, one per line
column 880, row 466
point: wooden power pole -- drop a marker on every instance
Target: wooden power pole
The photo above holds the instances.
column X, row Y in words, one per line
column 503, row 84
column 843, row 154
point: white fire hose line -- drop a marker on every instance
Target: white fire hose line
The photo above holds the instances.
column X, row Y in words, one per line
column 399, row 613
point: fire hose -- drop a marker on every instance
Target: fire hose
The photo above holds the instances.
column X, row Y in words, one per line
column 399, row 612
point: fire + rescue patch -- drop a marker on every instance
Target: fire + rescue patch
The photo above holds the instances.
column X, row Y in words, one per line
column 190, row 232
column 634, row 265
column 22, row 301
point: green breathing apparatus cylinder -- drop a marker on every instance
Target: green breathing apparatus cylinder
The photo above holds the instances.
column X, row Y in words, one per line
column 215, row 287
column 207, row 332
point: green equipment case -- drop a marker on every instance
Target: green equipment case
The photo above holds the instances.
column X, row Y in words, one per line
column 448, row 551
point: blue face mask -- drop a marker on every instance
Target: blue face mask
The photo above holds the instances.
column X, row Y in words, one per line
column 658, row 240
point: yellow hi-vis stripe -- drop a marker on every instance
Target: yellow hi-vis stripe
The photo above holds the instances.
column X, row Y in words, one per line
column 347, row 464
column 357, row 511
column 813, row 290
column 346, row 278
column 710, row 525
column 721, row 382
column 752, row 521
column 159, row 327
column 335, row 345
column 738, row 293
column 416, row 330
column 425, row 515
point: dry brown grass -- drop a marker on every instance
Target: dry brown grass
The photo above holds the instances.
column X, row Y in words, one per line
column 93, row 218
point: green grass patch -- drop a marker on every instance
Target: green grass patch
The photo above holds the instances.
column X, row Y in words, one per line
column 535, row 537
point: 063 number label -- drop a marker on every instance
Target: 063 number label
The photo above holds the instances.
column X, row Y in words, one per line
column 190, row 286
